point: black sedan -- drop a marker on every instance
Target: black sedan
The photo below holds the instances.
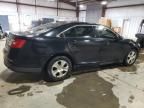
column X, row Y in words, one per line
column 56, row 49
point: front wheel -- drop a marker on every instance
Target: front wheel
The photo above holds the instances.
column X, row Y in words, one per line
column 58, row 68
column 131, row 57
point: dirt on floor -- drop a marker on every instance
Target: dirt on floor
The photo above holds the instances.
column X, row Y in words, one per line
column 88, row 91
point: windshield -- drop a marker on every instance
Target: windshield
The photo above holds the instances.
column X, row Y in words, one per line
column 45, row 27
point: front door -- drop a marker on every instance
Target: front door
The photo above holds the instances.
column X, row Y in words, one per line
column 112, row 49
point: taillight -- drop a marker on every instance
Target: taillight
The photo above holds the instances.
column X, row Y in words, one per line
column 18, row 43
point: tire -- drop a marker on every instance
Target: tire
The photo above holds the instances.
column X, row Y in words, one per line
column 130, row 57
column 59, row 68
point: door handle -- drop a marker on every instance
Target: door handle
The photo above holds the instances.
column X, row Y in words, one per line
column 74, row 42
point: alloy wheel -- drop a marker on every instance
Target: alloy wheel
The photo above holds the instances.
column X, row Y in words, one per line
column 60, row 68
column 131, row 57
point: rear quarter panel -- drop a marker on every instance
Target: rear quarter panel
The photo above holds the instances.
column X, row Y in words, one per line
column 47, row 47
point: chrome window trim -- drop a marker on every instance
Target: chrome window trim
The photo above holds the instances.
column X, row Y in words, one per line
column 58, row 35
column 71, row 28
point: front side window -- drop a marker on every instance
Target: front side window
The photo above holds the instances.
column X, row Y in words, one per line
column 104, row 32
column 80, row 31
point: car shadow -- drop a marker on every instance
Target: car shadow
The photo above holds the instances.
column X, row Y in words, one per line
column 22, row 78
column 14, row 77
column 96, row 69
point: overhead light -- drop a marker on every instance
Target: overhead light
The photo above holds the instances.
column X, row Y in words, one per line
column 51, row 0
column 81, row 6
column 104, row 2
column 72, row 0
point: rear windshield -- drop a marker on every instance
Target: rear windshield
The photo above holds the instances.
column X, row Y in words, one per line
column 45, row 27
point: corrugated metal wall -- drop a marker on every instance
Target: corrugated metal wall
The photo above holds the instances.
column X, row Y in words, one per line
column 128, row 18
column 28, row 13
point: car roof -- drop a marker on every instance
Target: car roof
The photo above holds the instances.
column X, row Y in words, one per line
column 79, row 23
column 61, row 26
column 66, row 25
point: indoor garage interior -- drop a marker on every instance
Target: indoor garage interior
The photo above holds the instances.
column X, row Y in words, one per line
column 111, row 85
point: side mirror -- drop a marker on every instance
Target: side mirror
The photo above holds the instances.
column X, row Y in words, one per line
column 139, row 35
column 119, row 37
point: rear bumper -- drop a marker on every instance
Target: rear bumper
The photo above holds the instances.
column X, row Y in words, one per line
column 12, row 67
column 9, row 64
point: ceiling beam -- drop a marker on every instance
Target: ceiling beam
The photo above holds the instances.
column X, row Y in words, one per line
column 133, row 5
column 88, row 1
column 68, row 2
column 18, row 3
column 91, row 1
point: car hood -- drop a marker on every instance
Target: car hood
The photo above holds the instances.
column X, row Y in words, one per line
column 131, row 42
column 128, row 40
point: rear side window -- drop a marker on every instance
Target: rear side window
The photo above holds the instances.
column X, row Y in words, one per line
column 104, row 32
column 80, row 31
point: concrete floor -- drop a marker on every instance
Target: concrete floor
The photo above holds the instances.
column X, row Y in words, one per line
column 112, row 87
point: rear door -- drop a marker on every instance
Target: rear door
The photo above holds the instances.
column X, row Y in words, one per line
column 82, row 44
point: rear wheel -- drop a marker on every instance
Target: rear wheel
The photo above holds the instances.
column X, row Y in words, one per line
column 131, row 57
column 58, row 68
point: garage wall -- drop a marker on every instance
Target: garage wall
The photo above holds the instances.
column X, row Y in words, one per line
column 27, row 13
column 82, row 16
column 4, row 22
column 128, row 18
